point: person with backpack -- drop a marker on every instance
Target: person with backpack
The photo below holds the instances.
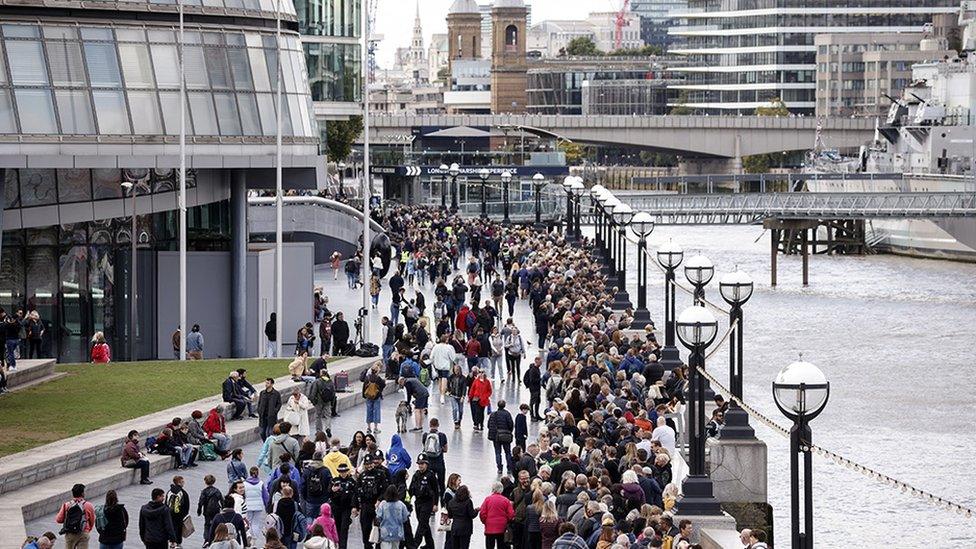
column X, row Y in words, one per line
column 156, row 528
column 77, row 518
column 322, row 394
column 316, row 481
column 421, row 399
column 233, row 520
column 254, row 501
column 209, row 505
column 373, row 386
column 434, row 448
column 501, row 428
column 286, row 510
column 111, row 521
column 178, row 502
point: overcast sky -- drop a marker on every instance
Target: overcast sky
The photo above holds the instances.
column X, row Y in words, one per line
column 394, row 18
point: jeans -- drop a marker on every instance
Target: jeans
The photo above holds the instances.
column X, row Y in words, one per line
column 270, row 349
column 185, row 454
column 142, row 465
column 12, row 345
column 373, row 408
column 484, row 363
column 457, row 409
column 496, row 367
column 110, row 545
column 221, row 441
column 256, row 522
column 394, row 313
column 503, row 449
column 387, row 352
column 351, row 280
column 513, row 364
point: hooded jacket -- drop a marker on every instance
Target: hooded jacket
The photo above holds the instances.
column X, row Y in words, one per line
column 334, row 459
column 327, row 522
column 398, row 458
column 281, row 444
column 214, row 423
column 156, row 523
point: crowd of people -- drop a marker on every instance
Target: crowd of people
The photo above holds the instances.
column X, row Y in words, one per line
column 583, row 462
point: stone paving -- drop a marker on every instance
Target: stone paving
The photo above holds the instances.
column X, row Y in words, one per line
column 469, row 453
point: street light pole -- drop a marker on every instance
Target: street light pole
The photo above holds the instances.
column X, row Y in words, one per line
column 538, row 180
column 506, row 181
column 643, row 225
column 697, row 328
column 801, row 391
column 699, row 271
column 455, row 170
column 578, row 188
column 444, row 169
column 669, row 257
column 483, row 173
column 569, row 232
column 736, row 289
column 623, row 214
column 133, row 273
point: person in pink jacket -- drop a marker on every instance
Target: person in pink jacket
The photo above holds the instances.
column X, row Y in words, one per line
column 496, row 512
column 327, row 523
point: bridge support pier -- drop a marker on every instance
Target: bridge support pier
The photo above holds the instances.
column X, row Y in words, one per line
column 790, row 236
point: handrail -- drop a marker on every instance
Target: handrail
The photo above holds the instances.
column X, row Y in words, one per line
column 316, row 201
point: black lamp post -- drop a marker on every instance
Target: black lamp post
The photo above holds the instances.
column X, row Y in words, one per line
column 578, row 188
column 697, row 328
column 622, row 215
column 342, row 178
column 736, row 289
column 444, row 168
column 596, row 199
column 570, row 233
column 801, row 391
column 699, row 272
column 131, row 187
column 483, row 173
column 669, row 257
column 608, row 203
column 506, row 181
column 643, row 225
column 455, row 171
column 538, row 181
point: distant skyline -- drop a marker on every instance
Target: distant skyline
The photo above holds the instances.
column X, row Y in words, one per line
column 394, row 19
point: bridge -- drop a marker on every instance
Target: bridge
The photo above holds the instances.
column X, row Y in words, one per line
column 694, row 136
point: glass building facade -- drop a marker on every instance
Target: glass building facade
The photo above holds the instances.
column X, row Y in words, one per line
column 331, row 30
column 557, row 88
column 747, row 52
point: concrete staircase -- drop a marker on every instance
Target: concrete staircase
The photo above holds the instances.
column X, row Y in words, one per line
column 31, row 372
column 36, row 482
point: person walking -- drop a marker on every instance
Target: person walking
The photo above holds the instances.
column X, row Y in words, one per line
column 77, row 517
column 269, row 404
column 533, row 382
column 373, row 386
column 156, row 528
column 344, row 499
column 230, row 519
column 254, row 500
column 391, row 513
column 178, row 502
column 501, row 429
column 322, row 395
column 194, row 344
column 271, row 336
column 461, row 512
column 423, row 490
column 514, row 353
column 496, row 513
column 111, row 534
column 479, row 395
column 457, row 389
column 208, row 505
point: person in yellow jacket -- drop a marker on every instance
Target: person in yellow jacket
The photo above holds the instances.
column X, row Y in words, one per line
column 335, row 457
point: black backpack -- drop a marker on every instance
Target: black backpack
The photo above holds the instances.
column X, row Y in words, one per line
column 213, row 505
column 315, row 483
column 74, row 518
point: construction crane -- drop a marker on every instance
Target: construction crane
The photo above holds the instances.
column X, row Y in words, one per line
column 621, row 23
column 373, row 39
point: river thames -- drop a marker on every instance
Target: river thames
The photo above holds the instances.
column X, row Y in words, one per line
column 895, row 337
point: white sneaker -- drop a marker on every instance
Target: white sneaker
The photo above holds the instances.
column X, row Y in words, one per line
column 442, row 399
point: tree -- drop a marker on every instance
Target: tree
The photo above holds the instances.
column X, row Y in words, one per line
column 761, row 163
column 582, row 46
column 574, row 152
column 340, row 135
column 681, row 109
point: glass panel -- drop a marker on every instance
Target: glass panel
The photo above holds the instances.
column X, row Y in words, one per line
column 74, row 106
column 74, row 185
column 146, row 121
column 272, row 57
column 20, row 31
column 103, row 65
column 106, row 183
column 3, row 69
column 234, row 39
column 73, row 343
column 27, row 67
column 8, row 122
column 227, row 114
column 161, row 36
column 135, row 65
column 286, row 72
column 38, row 187
column 11, row 194
column 195, row 68
column 250, row 122
column 212, row 38
column 202, row 109
column 130, row 35
column 36, row 111
column 67, row 67
column 259, row 68
column 295, row 112
column 96, row 33
column 170, row 102
column 42, row 279
column 166, row 61
column 113, row 117
column 217, row 68
column 241, row 68
column 267, row 109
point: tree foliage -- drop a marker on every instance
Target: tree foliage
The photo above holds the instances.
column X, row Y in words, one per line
column 582, row 46
column 574, row 152
column 681, row 109
column 340, row 135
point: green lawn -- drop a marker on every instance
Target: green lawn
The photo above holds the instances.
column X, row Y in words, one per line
column 96, row 395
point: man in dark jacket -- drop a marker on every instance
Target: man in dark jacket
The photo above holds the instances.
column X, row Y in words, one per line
column 233, row 521
column 322, row 394
column 232, row 393
column 178, row 502
column 316, row 485
column 423, row 488
column 156, row 523
column 372, row 483
column 533, row 382
column 521, row 426
column 340, row 335
column 269, row 404
column 500, row 431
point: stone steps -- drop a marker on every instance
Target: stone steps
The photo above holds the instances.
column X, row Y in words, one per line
column 38, row 381
column 30, row 370
column 43, row 496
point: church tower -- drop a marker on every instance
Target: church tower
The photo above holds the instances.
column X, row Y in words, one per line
column 463, row 31
column 508, row 65
column 417, row 53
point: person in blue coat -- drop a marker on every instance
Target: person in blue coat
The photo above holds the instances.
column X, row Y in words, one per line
column 398, row 458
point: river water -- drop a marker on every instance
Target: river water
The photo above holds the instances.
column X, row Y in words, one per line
column 895, row 337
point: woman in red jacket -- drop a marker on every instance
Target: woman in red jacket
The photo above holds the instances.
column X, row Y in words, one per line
column 216, row 428
column 479, row 395
column 495, row 513
column 100, row 351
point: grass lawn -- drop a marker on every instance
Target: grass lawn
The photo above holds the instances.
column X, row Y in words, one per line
column 97, row 395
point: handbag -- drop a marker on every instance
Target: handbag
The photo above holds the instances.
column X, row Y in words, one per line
column 188, row 527
column 503, row 436
column 445, row 523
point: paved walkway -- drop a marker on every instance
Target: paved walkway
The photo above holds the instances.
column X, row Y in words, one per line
column 470, row 454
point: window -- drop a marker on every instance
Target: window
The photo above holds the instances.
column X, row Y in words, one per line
column 36, row 111
column 147, row 121
column 135, row 66
column 167, row 64
column 202, row 112
column 103, row 66
column 74, row 107
column 227, row 114
column 8, row 120
column 67, row 67
column 170, row 102
column 27, row 67
column 113, row 117
column 248, row 107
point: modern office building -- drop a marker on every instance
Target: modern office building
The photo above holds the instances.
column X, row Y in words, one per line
column 856, row 73
column 748, row 53
column 656, row 17
column 604, row 85
column 331, row 37
column 90, row 106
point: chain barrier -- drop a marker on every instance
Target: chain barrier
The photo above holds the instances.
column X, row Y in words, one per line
column 905, row 488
